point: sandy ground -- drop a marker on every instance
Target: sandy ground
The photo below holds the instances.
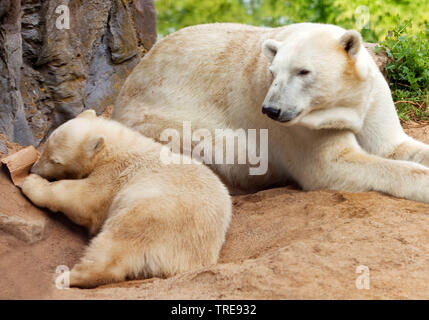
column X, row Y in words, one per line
column 282, row 244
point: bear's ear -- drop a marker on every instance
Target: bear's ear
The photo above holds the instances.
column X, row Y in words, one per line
column 88, row 114
column 270, row 48
column 351, row 41
column 94, row 145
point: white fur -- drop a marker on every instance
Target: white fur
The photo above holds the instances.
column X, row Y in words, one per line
column 149, row 219
column 343, row 132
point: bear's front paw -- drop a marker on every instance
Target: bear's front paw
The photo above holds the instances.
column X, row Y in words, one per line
column 34, row 188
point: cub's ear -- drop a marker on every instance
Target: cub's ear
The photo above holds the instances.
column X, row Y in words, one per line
column 88, row 114
column 270, row 48
column 94, row 145
column 351, row 41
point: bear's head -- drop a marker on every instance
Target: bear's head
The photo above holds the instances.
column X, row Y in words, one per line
column 71, row 150
column 321, row 79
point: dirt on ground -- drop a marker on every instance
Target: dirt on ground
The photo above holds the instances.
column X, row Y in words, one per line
column 282, row 244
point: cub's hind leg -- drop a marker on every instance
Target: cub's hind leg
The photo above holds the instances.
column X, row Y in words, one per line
column 130, row 245
column 158, row 228
column 106, row 260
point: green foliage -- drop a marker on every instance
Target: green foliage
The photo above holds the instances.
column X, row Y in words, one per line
column 176, row 14
column 408, row 71
column 384, row 15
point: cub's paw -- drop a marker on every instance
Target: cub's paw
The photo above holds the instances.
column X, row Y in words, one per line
column 34, row 188
column 83, row 276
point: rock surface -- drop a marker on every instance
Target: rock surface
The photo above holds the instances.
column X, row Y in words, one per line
column 282, row 244
column 50, row 74
column 7, row 147
column 18, row 216
column 12, row 114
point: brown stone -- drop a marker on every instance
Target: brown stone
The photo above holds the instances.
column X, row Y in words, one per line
column 17, row 215
column 7, row 147
column 20, row 163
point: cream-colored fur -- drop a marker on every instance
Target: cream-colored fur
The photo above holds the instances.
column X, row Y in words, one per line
column 151, row 219
column 337, row 126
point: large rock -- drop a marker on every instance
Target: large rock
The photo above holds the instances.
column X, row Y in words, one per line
column 48, row 75
column 17, row 215
column 3, row 148
column 12, row 115
column 7, row 147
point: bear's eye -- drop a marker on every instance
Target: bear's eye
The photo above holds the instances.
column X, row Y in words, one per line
column 303, row 72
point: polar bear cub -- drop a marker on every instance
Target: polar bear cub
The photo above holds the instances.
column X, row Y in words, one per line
column 151, row 219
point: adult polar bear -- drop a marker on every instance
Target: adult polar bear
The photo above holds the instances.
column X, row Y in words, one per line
column 328, row 110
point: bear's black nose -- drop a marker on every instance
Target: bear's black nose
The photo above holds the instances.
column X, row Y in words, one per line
column 271, row 111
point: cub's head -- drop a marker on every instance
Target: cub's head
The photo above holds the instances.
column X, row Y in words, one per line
column 316, row 70
column 71, row 149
